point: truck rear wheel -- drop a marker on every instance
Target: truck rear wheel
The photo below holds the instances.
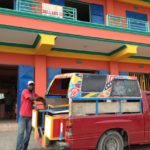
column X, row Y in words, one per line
column 111, row 140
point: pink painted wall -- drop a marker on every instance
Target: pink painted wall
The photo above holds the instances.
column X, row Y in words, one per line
column 137, row 68
column 16, row 59
column 54, row 62
column 120, row 9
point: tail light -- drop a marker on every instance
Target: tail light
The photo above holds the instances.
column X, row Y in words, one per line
column 69, row 129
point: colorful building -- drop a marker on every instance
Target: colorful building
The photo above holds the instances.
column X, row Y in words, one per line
column 42, row 38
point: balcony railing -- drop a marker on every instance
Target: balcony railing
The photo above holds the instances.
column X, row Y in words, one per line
column 36, row 7
column 127, row 23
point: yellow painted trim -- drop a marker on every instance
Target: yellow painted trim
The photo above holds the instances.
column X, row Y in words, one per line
column 78, row 56
column 16, row 50
column 136, row 2
column 130, row 50
column 138, row 61
column 30, row 51
column 45, row 44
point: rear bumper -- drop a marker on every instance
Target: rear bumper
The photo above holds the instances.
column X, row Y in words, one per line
column 62, row 146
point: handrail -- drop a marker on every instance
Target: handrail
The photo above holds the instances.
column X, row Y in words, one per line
column 127, row 23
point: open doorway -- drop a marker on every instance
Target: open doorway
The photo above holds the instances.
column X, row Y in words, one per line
column 83, row 10
column 8, row 91
column 7, row 4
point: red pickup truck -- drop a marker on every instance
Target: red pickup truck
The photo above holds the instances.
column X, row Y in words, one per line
column 104, row 112
column 110, row 132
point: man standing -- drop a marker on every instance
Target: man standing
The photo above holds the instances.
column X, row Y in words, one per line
column 24, row 126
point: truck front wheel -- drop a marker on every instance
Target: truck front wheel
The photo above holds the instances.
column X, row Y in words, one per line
column 111, row 140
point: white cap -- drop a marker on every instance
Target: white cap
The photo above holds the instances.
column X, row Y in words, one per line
column 30, row 82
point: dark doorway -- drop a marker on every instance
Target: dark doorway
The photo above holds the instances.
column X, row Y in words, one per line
column 7, row 4
column 78, row 70
column 83, row 12
column 8, row 91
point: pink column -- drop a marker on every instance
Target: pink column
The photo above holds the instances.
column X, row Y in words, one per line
column 114, row 70
column 40, row 75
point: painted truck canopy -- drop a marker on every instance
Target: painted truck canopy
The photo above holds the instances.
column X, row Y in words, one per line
column 81, row 86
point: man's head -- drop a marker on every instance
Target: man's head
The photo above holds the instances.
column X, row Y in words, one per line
column 30, row 85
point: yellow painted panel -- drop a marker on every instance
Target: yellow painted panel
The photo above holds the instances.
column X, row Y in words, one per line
column 130, row 50
column 48, row 127
column 45, row 44
column 34, row 118
column 136, row 2
column 79, row 56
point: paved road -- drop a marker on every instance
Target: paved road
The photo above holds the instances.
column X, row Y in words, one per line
column 8, row 142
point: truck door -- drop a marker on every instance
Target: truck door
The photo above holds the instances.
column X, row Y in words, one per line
column 148, row 126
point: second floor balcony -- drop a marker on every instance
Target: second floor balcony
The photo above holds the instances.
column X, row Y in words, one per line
column 78, row 14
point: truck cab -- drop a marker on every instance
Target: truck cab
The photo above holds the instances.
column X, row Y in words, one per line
column 89, row 111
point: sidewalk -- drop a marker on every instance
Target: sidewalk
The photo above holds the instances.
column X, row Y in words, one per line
column 8, row 136
column 8, row 141
column 8, row 125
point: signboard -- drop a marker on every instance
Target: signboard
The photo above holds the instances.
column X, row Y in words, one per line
column 52, row 10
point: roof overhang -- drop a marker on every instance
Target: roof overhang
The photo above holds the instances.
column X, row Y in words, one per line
column 33, row 43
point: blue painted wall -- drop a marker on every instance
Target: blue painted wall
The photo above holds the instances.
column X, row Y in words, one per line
column 124, row 73
column 58, row 2
column 103, row 72
column 25, row 73
column 97, row 14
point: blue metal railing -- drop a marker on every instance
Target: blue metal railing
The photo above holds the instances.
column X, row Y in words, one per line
column 35, row 7
column 127, row 23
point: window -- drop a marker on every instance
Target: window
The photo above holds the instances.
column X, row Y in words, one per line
column 136, row 21
column 97, row 14
column 93, row 83
column 127, row 88
column 82, row 10
column 7, row 4
column 59, row 87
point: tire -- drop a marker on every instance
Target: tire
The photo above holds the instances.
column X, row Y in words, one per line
column 111, row 140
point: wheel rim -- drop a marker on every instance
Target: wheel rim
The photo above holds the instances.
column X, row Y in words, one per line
column 111, row 144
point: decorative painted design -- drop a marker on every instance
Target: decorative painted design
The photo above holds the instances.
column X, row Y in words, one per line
column 75, row 85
